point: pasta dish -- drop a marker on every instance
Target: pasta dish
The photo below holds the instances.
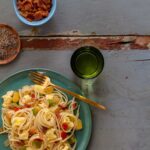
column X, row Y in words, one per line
column 40, row 118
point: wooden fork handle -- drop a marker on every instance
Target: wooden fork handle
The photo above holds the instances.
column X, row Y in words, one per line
column 80, row 97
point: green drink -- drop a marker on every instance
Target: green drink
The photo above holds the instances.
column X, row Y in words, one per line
column 87, row 62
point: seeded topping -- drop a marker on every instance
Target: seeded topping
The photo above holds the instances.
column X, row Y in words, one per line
column 8, row 43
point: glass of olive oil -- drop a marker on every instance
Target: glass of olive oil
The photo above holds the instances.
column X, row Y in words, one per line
column 87, row 63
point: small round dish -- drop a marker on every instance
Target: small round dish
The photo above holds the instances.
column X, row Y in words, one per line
column 8, row 34
column 35, row 23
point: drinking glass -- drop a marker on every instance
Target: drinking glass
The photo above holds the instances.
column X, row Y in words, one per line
column 87, row 63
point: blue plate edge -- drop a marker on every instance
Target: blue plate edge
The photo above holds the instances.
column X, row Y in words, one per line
column 48, row 70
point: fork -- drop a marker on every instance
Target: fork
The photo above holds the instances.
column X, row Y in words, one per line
column 40, row 79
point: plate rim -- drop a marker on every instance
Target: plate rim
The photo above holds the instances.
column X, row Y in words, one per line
column 48, row 70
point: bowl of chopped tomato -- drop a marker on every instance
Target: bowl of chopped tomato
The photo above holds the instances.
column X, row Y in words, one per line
column 34, row 12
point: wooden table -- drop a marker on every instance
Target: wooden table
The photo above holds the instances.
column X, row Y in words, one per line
column 120, row 28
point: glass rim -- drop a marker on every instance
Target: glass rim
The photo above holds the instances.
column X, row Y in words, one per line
column 95, row 51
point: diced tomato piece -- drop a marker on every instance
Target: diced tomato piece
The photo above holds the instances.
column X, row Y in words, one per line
column 65, row 126
column 27, row 106
column 33, row 95
column 74, row 105
column 63, row 135
column 16, row 108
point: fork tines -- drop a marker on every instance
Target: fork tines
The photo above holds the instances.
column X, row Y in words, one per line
column 38, row 78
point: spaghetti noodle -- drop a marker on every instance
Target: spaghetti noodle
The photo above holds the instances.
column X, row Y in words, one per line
column 40, row 118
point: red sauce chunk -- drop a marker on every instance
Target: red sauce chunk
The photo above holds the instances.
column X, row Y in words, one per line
column 63, row 135
column 65, row 126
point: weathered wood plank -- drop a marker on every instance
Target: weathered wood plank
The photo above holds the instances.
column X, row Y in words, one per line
column 101, row 42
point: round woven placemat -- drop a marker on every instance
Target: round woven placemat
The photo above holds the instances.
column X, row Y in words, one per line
column 9, row 44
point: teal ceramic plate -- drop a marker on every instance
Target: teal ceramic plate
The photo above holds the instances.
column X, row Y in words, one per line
column 20, row 79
